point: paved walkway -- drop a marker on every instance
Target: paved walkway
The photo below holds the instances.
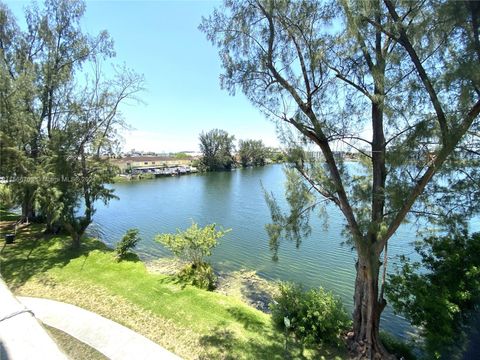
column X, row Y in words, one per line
column 108, row 337
column 21, row 336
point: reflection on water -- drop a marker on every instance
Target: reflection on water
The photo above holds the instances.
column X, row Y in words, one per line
column 235, row 200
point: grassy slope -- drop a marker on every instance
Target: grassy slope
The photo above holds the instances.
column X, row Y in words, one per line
column 188, row 321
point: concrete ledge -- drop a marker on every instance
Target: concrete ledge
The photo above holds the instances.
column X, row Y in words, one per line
column 113, row 340
column 21, row 336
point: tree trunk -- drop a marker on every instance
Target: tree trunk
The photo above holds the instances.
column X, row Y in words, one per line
column 75, row 234
column 365, row 342
column 76, row 240
column 28, row 211
column 77, row 229
column 52, row 228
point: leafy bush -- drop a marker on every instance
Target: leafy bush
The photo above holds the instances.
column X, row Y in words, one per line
column 439, row 293
column 128, row 242
column 397, row 347
column 201, row 276
column 316, row 316
column 193, row 244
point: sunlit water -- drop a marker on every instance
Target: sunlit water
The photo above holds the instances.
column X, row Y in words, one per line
column 235, row 200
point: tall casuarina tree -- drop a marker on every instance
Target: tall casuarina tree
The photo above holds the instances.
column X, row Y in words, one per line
column 396, row 81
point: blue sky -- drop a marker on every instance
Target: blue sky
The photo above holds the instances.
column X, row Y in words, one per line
column 160, row 39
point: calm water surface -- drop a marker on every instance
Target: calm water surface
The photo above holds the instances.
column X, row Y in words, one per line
column 235, row 200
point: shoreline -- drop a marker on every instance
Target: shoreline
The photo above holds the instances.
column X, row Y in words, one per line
column 122, row 178
column 191, row 322
column 245, row 285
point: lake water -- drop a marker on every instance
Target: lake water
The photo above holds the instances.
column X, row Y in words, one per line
column 235, row 200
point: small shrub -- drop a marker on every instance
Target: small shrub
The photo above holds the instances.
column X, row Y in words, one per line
column 128, row 242
column 193, row 244
column 316, row 316
column 201, row 276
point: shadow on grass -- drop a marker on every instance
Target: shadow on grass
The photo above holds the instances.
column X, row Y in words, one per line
column 220, row 344
column 130, row 256
column 8, row 216
column 175, row 280
column 33, row 253
column 223, row 343
column 247, row 318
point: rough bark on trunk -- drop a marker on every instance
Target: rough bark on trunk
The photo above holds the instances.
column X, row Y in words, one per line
column 365, row 342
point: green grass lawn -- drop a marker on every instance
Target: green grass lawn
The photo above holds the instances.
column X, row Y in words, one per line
column 193, row 323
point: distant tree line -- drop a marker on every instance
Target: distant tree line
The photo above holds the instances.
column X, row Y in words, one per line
column 220, row 153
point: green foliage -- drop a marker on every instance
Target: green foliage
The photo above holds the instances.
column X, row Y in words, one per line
column 201, row 276
column 60, row 117
column 397, row 347
column 392, row 80
column 7, row 200
column 439, row 293
column 316, row 316
column 187, row 321
column 277, row 156
column 252, row 152
column 294, row 225
column 48, row 198
column 128, row 242
column 217, row 148
column 193, row 244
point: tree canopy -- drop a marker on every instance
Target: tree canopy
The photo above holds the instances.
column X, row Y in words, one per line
column 60, row 113
column 217, row 148
column 440, row 293
column 397, row 82
column 252, row 152
column 194, row 243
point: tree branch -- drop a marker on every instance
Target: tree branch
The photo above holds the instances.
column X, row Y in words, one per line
column 351, row 83
column 318, row 137
column 404, row 40
column 325, row 193
column 302, row 63
column 441, row 157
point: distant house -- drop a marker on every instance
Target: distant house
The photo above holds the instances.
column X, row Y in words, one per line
column 138, row 163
